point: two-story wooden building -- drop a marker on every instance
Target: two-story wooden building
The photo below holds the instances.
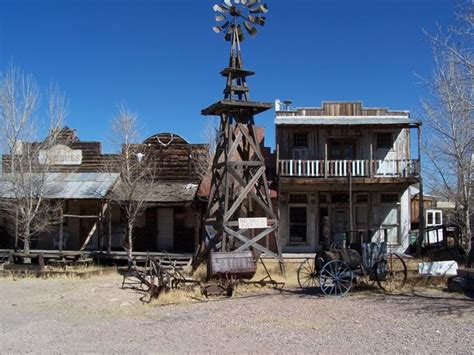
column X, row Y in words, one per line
column 344, row 172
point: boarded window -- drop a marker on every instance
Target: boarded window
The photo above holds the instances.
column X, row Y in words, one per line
column 300, row 140
column 384, row 140
column 298, row 218
column 389, row 198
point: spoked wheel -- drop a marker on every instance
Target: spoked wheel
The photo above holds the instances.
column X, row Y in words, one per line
column 335, row 278
column 307, row 275
column 391, row 273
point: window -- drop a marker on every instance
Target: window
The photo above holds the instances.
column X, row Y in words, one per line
column 298, row 198
column 340, row 198
column 323, row 198
column 300, row 140
column 438, row 218
column 384, row 140
column 298, row 218
column 389, row 198
column 362, row 198
column 430, row 218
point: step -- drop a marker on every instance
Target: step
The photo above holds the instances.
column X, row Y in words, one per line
column 460, row 284
column 467, row 273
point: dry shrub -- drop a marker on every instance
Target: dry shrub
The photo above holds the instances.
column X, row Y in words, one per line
column 179, row 296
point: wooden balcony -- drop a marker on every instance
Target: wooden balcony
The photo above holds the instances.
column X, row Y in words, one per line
column 406, row 168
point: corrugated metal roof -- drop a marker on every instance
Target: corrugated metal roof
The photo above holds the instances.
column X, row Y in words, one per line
column 164, row 192
column 341, row 120
column 68, row 185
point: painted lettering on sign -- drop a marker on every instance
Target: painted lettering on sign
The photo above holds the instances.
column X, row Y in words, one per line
column 253, row 223
column 60, row 155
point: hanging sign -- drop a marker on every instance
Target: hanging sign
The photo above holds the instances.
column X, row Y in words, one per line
column 60, row 155
column 253, row 223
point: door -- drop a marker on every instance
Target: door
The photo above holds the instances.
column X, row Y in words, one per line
column 165, row 225
column 341, row 224
column 342, row 149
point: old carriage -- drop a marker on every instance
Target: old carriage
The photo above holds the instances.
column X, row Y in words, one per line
column 336, row 270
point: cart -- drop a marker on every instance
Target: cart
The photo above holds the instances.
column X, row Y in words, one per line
column 336, row 270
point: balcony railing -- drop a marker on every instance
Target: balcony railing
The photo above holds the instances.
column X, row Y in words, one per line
column 342, row 168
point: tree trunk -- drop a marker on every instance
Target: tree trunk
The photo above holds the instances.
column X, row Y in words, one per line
column 26, row 240
column 129, row 241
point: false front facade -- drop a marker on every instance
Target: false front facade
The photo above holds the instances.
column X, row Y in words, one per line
column 344, row 172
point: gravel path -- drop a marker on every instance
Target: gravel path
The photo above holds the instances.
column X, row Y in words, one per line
column 79, row 316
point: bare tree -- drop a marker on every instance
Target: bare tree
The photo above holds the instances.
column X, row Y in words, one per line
column 27, row 163
column 449, row 109
column 136, row 168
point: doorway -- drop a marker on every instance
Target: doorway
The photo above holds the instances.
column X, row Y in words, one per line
column 165, row 235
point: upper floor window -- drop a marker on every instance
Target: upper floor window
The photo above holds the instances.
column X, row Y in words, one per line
column 384, row 140
column 300, row 140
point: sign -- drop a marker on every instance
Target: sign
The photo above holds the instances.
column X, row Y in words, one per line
column 253, row 223
column 438, row 268
column 60, row 155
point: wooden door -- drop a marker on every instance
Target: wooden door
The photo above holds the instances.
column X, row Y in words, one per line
column 165, row 225
column 341, row 223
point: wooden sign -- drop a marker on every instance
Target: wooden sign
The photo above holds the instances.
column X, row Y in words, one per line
column 253, row 223
column 60, row 155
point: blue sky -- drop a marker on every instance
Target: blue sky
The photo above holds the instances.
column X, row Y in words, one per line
column 162, row 57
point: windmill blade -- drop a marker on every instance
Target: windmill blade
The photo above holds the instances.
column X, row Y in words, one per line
column 220, row 8
column 261, row 9
column 250, row 3
column 219, row 29
column 220, row 18
column 250, row 29
column 228, row 3
column 259, row 20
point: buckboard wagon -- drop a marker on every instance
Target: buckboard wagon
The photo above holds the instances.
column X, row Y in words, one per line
column 335, row 271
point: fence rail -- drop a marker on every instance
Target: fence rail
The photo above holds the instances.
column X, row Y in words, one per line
column 342, row 168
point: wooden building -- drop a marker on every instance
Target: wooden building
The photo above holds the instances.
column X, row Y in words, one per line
column 344, row 172
column 84, row 182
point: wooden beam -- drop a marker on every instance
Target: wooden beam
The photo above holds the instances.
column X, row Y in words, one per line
column 94, row 227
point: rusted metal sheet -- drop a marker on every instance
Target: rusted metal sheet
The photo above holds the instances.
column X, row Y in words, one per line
column 232, row 264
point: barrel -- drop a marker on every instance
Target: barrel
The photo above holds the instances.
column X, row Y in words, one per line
column 350, row 256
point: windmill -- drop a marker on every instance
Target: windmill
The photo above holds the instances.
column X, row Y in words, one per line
column 239, row 214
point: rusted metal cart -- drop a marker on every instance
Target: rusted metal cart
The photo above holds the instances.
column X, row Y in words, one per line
column 336, row 270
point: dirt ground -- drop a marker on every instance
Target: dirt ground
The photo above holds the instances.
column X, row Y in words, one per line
column 95, row 315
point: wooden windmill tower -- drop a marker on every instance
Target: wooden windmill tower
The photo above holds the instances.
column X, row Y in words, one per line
column 239, row 214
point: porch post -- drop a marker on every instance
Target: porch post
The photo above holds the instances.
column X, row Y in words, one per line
column 16, row 229
column 61, row 228
column 371, row 159
column 421, row 206
column 109, row 228
column 326, row 165
column 351, row 217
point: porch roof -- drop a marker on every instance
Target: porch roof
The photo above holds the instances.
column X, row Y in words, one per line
column 164, row 192
column 64, row 185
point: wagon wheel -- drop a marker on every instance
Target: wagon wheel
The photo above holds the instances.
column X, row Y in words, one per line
column 391, row 273
column 307, row 275
column 335, row 278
